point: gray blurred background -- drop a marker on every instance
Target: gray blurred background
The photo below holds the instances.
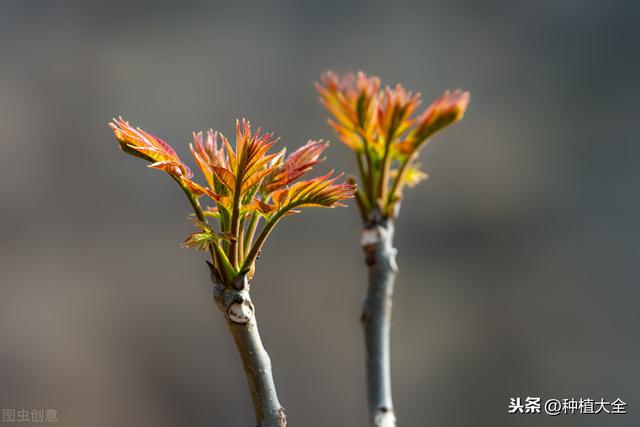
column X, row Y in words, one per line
column 519, row 257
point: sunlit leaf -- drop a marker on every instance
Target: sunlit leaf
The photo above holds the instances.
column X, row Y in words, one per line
column 296, row 164
column 148, row 147
column 202, row 239
column 226, row 177
column 447, row 109
column 321, row 192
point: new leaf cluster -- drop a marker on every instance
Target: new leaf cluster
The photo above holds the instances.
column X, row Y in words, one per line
column 381, row 127
column 247, row 188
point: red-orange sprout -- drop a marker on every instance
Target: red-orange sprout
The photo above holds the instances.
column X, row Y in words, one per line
column 244, row 185
column 381, row 127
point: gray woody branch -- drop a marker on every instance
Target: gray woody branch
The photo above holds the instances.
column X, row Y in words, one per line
column 239, row 312
column 380, row 256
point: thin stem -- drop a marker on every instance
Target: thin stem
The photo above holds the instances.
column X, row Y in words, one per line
column 369, row 176
column 225, row 225
column 363, row 173
column 255, row 249
column 235, row 218
column 363, row 206
column 397, row 184
column 376, row 321
column 241, row 232
column 384, row 171
column 223, row 264
column 197, row 209
column 251, row 231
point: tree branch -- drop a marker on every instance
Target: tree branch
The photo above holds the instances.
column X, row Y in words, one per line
column 239, row 312
column 380, row 256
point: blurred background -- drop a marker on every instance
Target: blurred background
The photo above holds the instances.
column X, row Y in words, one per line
column 519, row 256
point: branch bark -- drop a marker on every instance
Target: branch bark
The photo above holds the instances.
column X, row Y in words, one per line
column 380, row 256
column 239, row 312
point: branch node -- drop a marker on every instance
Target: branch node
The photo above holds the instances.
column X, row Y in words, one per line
column 240, row 312
column 370, row 237
column 282, row 416
column 241, row 282
column 235, row 303
column 384, row 417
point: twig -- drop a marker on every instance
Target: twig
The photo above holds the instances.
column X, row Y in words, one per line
column 380, row 256
column 239, row 312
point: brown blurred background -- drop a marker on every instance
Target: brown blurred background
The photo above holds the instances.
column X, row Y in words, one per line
column 518, row 257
